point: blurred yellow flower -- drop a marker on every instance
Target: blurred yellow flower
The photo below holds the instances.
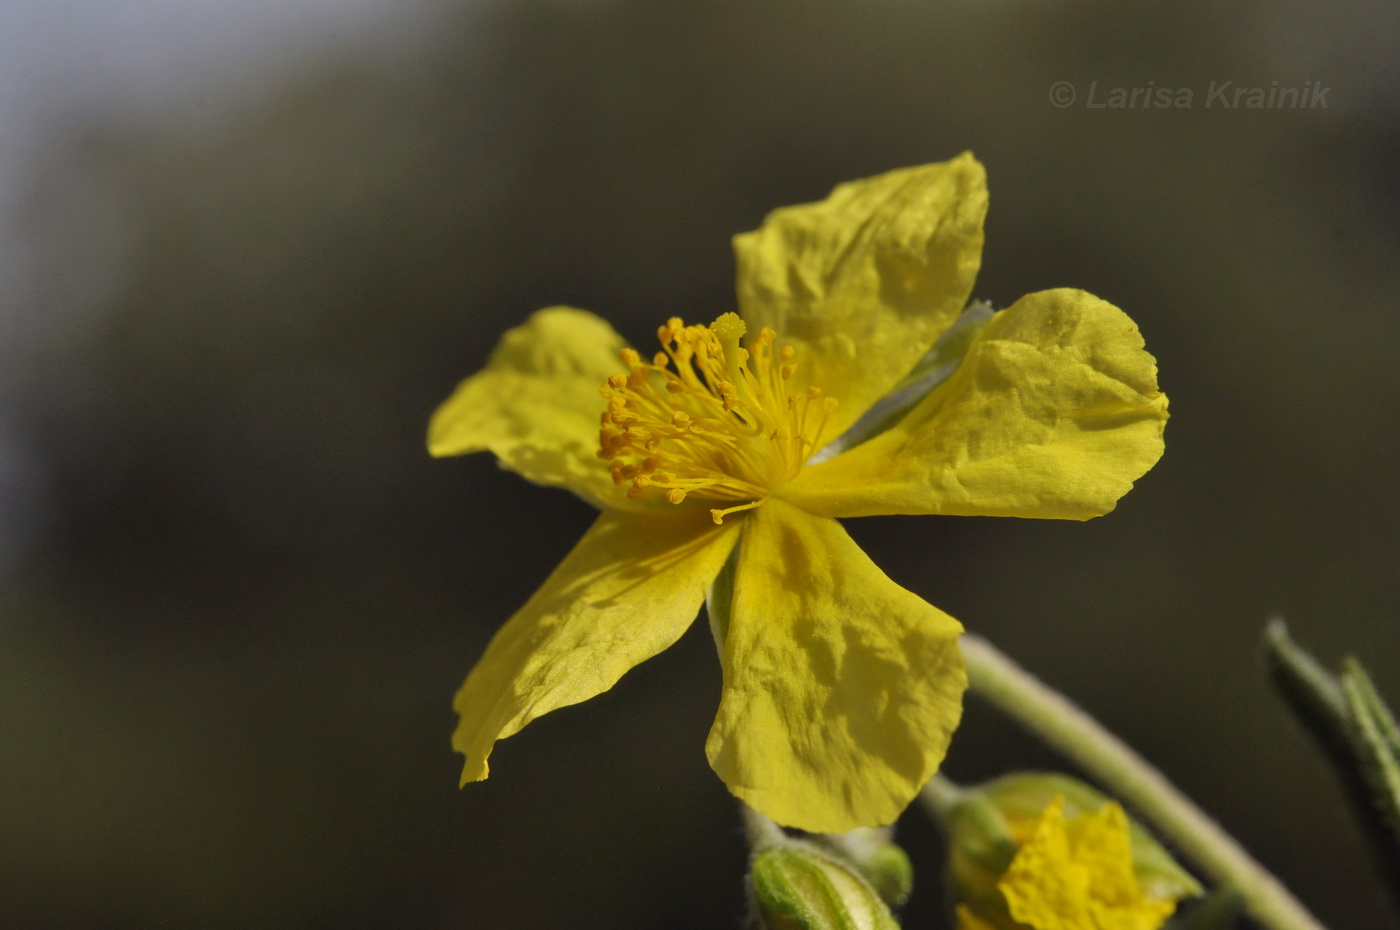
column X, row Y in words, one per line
column 841, row 689
column 1076, row 874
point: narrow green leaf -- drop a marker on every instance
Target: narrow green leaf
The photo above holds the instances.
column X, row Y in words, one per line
column 1375, row 742
column 1357, row 733
column 1367, row 693
column 1311, row 692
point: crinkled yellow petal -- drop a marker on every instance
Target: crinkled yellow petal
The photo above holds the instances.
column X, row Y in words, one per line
column 1054, row 412
column 1103, row 845
column 841, row 689
column 536, row 404
column 862, row 283
column 1044, row 887
column 626, row 592
column 1078, row 875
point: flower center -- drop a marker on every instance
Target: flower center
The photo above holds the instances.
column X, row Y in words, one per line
column 710, row 418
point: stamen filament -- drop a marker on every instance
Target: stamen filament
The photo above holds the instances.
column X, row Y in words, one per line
column 709, row 417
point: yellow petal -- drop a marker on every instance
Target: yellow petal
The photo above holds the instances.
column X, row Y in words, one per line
column 536, row 404
column 626, row 592
column 1054, row 412
column 841, row 689
column 1103, row 845
column 1077, row 874
column 862, row 283
column 1045, row 887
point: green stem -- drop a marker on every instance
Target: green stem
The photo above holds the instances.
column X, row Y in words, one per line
column 1083, row 739
column 940, row 796
column 760, row 831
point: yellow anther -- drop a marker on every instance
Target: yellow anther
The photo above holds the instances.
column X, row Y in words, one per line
column 718, row 515
column 707, row 417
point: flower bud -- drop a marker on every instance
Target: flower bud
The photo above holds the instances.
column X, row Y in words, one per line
column 879, row 860
column 1019, row 838
column 798, row 887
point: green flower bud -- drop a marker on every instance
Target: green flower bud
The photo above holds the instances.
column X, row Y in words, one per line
column 891, row 873
column 798, row 887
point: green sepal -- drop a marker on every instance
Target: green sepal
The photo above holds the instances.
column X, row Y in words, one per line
column 797, row 886
column 937, row 364
column 981, row 847
column 719, row 600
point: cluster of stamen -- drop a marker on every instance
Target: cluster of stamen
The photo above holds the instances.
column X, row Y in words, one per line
column 708, row 417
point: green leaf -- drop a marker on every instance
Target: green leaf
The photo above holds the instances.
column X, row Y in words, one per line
column 1357, row 733
column 1376, row 743
column 1310, row 691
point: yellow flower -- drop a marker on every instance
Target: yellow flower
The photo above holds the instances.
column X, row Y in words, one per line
column 841, row 689
column 1076, row 874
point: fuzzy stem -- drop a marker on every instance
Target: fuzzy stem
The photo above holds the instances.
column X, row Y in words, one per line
column 940, row 796
column 1083, row 739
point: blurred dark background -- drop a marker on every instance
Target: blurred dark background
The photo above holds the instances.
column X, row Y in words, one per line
column 236, row 595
